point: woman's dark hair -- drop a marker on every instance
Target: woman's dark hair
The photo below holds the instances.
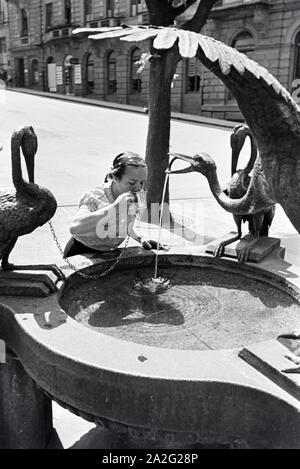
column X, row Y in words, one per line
column 120, row 163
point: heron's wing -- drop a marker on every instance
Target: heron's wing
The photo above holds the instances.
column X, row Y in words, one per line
column 15, row 217
column 268, row 108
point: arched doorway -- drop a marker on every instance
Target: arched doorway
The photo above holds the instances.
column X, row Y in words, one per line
column 111, row 75
column 34, row 73
column 135, row 80
column 135, row 77
column 20, row 72
column 89, row 83
column 244, row 42
column 69, row 75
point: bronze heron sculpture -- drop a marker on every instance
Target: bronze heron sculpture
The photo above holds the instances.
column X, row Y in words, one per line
column 204, row 164
column 260, row 222
column 26, row 206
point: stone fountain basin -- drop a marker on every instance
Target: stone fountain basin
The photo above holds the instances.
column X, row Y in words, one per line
column 168, row 394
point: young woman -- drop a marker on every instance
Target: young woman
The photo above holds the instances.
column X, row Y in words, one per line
column 107, row 213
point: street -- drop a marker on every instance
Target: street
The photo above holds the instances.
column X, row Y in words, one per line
column 78, row 142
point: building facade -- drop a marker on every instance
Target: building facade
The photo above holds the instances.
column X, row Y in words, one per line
column 45, row 55
column 5, row 62
column 268, row 32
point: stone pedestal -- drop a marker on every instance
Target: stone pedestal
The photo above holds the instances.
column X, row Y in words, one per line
column 27, row 283
column 259, row 250
column 25, row 411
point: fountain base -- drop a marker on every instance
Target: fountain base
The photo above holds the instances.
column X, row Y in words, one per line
column 28, row 283
column 160, row 370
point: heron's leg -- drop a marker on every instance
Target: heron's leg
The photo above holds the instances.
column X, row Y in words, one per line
column 219, row 251
column 8, row 266
column 44, row 278
column 244, row 253
column 4, row 262
column 257, row 221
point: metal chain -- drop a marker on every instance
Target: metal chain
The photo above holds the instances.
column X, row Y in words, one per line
column 72, row 266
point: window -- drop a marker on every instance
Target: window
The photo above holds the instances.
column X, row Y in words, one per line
column 193, row 75
column 297, row 57
column 3, row 49
column 110, row 7
column 243, row 42
column 48, row 21
column 111, row 73
column 136, row 6
column 24, row 22
column 135, row 82
column 88, row 7
column 2, row 18
column 68, row 11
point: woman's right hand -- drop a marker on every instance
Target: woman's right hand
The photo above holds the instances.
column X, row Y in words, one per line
column 127, row 197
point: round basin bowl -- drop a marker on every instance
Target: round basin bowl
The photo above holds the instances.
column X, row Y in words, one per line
column 170, row 367
column 161, row 361
column 193, row 308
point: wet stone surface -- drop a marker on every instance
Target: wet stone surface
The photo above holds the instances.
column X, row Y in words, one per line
column 201, row 309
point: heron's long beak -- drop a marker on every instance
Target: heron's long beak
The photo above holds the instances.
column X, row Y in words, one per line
column 186, row 158
column 30, row 168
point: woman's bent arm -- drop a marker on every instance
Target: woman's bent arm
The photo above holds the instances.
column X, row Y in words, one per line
column 86, row 221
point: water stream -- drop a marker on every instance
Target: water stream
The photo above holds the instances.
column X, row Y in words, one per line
column 160, row 223
column 155, row 285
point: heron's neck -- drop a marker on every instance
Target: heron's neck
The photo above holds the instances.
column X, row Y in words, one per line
column 253, row 201
column 236, row 153
column 253, row 155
